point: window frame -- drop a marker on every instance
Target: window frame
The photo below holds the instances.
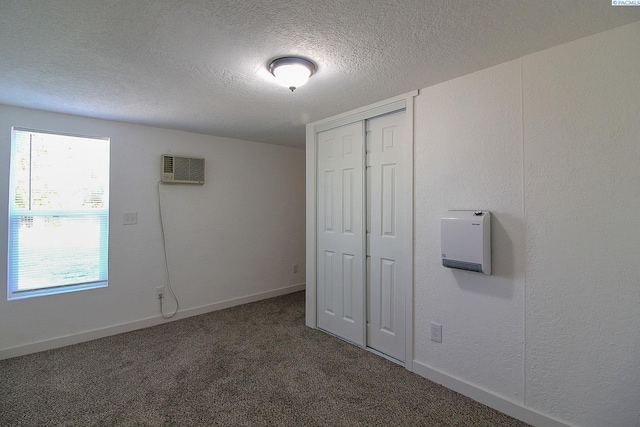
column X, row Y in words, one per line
column 16, row 214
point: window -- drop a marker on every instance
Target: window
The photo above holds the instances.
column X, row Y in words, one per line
column 58, row 213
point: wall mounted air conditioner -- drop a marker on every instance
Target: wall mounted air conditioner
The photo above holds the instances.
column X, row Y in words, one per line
column 466, row 240
column 182, row 170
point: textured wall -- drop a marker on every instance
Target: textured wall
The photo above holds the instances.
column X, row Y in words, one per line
column 582, row 195
column 236, row 236
column 551, row 145
column 468, row 155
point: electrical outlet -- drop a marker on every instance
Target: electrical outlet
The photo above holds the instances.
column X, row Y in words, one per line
column 130, row 218
column 295, row 268
column 436, row 332
column 160, row 292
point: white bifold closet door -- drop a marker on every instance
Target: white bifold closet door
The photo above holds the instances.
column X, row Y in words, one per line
column 363, row 236
column 389, row 257
column 340, row 268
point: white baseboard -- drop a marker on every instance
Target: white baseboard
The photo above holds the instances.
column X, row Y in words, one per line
column 140, row 324
column 486, row 397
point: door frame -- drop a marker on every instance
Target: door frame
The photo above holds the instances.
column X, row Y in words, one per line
column 401, row 102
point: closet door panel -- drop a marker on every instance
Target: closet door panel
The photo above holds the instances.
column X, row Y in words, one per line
column 389, row 233
column 340, row 232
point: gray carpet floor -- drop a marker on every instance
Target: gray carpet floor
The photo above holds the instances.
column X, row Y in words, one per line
column 252, row 365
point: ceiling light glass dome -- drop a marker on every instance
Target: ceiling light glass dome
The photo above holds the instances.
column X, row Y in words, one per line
column 292, row 72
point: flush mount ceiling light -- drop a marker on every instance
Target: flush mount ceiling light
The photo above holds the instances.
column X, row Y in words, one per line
column 292, row 71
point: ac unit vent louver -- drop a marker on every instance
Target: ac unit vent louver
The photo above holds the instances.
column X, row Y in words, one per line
column 182, row 170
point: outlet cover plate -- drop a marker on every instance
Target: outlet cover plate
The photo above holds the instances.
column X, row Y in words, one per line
column 130, row 218
column 436, row 332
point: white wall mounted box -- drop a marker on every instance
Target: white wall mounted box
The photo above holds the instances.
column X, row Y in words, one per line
column 466, row 240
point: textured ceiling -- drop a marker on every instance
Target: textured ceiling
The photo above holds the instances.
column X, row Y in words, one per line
column 200, row 65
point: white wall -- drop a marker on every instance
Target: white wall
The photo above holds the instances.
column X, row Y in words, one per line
column 469, row 156
column 582, row 200
column 550, row 144
column 232, row 240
